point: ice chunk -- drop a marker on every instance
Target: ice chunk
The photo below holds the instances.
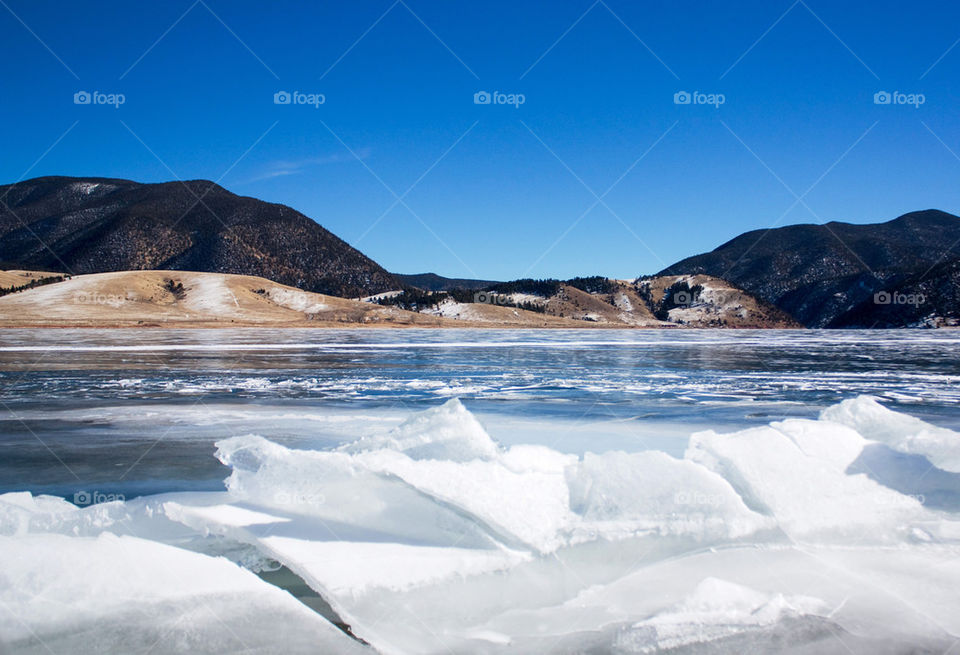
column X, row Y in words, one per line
column 619, row 494
column 833, row 445
column 343, row 496
column 901, row 432
column 524, row 504
column 355, row 568
column 18, row 510
column 873, row 599
column 447, row 432
column 715, row 610
column 115, row 594
column 785, row 471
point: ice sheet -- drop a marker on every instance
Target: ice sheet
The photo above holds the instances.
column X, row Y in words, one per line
column 123, row 595
column 435, row 538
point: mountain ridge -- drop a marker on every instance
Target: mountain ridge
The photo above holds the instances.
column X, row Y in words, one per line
column 97, row 224
column 902, row 272
column 820, row 273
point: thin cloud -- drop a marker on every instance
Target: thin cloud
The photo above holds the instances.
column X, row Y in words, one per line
column 285, row 167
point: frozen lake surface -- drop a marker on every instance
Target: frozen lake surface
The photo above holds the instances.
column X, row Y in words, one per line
column 480, row 490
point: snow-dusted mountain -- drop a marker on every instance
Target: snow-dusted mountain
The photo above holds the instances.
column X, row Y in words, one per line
column 894, row 274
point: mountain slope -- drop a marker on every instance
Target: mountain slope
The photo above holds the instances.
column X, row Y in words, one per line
column 818, row 273
column 93, row 225
column 434, row 282
column 664, row 302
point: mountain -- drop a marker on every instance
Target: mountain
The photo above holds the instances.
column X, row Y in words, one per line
column 434, row 282
column 697, row 301
column 94, row 225
column 840, row 274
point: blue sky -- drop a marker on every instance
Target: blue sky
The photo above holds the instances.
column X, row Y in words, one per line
column 599, row 171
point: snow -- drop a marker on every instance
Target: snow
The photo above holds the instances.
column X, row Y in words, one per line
column 450, row 308
column 519, row 298
column 299, row 301
column 209, row 293
column 382, row 296
column 85, row 188
column 622, row 302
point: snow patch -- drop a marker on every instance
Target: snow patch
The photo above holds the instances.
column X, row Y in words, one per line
column 299, row 301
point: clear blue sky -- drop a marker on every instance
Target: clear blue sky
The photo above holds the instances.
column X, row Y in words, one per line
column 504, row 199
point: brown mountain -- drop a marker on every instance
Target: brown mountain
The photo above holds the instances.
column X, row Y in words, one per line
column 840, row 274
column 94, row 225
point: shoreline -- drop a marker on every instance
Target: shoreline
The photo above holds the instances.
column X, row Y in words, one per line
column 328, row 325
column 331, row 325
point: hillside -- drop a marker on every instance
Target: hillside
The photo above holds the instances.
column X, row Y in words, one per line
column 95, row 225
column 196, row 299
column 667, row 301
column 827, row 275
column 434, row 282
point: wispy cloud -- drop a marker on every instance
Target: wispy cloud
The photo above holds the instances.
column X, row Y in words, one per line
column 285, row 167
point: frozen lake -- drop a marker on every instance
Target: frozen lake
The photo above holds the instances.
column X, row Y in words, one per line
column 482, row 490
column 139, row 411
